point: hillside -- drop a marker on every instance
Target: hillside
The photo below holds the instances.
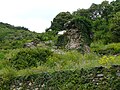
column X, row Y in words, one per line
column 12, row 37
column 85, row 57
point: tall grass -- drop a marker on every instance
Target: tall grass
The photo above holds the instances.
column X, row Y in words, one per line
column 70, row 60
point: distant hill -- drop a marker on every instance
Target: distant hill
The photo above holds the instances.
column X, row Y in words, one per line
column 12, row 37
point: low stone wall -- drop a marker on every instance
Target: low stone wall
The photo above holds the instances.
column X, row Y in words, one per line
column 98, row 78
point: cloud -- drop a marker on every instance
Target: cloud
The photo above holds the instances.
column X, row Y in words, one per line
column 37, row 14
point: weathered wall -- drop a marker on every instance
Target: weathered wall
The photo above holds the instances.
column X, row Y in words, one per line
column 76, row 40
column 98, row 78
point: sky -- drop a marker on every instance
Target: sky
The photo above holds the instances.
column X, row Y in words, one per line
column 36, row 15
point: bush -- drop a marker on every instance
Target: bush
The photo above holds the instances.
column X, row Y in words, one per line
column 107, row 60
column 113, row 48
column 26, row 58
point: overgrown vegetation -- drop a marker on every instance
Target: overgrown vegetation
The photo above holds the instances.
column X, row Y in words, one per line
column 15, row 37
column 26, row 56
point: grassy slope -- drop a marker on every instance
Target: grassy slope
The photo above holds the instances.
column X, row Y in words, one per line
column 14, row 37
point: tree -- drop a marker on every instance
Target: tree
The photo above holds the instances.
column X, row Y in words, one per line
column 101, row 31
column 58, row 22
column 82, row 12
column 116, row 5
column 94, row 11
column 115, row 27
column 106, row 9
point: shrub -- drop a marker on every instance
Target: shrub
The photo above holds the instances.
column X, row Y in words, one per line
column 26, row 58
column 107, row 60
column 113, row 48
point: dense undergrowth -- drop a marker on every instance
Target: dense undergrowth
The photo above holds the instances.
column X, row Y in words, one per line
column 59, row 69
column 69, row 60
column 98, row 78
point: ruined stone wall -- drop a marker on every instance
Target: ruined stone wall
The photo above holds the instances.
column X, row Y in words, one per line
column 76, row 40
column 98, row 78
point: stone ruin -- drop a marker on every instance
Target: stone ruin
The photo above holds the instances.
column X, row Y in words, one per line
column 75, row 38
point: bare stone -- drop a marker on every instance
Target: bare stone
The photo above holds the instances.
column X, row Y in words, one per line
column 100, row 75
column 75, row 40
column 118, row 74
